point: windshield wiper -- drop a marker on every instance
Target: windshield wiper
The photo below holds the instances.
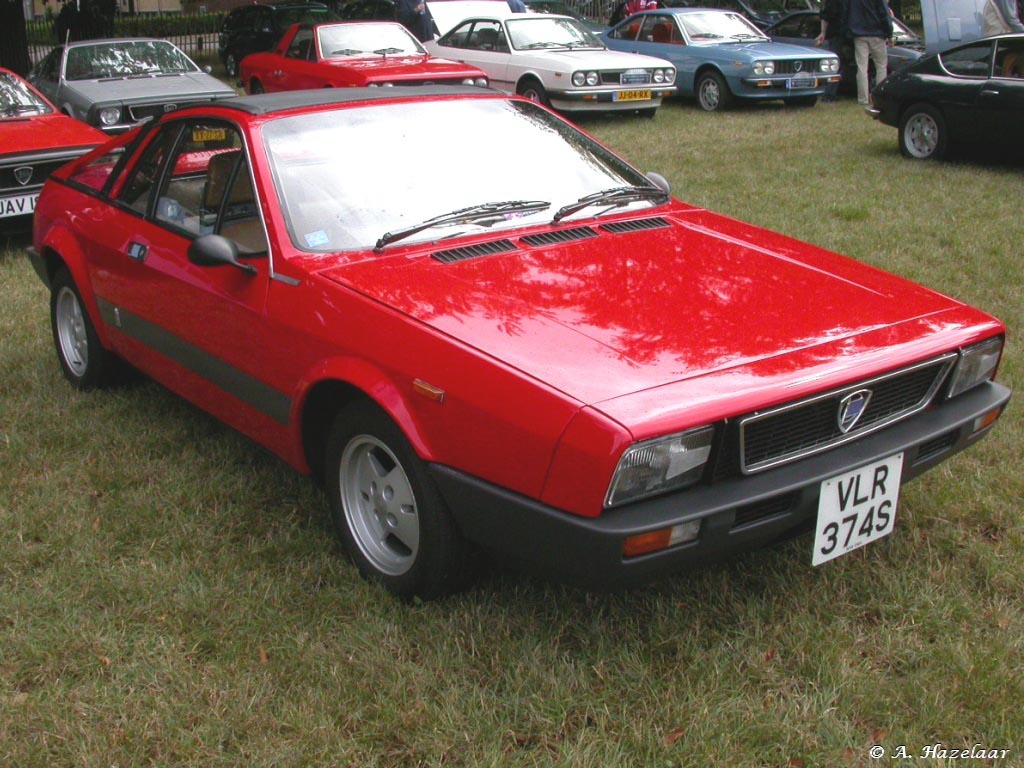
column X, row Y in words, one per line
column 387, row 51
column 614, row 198
column 747, row 36
column 476, row 213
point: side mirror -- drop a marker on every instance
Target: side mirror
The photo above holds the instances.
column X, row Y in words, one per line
column 660, row 182
column 217, row 251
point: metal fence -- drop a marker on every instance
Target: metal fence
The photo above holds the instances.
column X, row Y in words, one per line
column 195, row 35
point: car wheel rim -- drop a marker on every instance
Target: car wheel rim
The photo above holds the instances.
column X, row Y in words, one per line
column 709, row 95
column 71, row 333
column 231, row 67
column 379, row 505
column 532, row 95
column 922, row 135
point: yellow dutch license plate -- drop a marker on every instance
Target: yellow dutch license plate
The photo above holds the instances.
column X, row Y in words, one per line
column 631, row 96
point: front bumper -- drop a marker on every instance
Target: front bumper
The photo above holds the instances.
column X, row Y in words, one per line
column 607, row 99
column 778, row 86
column 735, row 515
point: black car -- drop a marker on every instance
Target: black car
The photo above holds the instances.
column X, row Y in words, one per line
column 970, row 95
column 367, row 10
column 258, row 27
column 802, row 28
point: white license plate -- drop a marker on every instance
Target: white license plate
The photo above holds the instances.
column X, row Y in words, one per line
column 631, row 96
column 801, row 82
column 21, row 205
column 857, row 508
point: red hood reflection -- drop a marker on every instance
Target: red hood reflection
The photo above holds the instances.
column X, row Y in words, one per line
column 615, row 314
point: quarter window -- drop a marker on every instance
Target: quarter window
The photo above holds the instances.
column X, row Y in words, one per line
column 969, row 61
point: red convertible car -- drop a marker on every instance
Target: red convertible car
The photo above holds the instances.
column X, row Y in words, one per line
column 551, row 359
column 347, row 54
column 35, row 139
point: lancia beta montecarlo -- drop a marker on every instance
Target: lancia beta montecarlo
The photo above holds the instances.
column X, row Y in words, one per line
column 531, row 348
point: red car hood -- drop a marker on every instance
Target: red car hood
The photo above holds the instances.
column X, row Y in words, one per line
column 408, row 66
column 45, row 132
column 692, row 312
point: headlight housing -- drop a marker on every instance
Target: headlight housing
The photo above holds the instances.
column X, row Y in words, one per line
column 110, row 116
column 764, row 67
column 664, row 75
column 580, row 79
column 976, row 365
column 478, row 81
column 663, row 464
column 829, row 65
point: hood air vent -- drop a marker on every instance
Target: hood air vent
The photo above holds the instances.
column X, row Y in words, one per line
column 474, row 251
column 559, row 236
column 638, row 225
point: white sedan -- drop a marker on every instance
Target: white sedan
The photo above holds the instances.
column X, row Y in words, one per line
column 554, row 60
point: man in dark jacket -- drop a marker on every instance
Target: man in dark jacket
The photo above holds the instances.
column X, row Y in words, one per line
column 870, row 25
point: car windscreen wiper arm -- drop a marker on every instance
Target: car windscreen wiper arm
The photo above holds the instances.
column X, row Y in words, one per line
column 614, row 197
column 476, row 213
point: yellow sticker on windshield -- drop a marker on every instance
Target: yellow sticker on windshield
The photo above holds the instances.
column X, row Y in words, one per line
column 201, row 135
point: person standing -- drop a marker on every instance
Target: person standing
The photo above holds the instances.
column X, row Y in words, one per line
column 832, row 36
column 1001, row 16
column 870, row 25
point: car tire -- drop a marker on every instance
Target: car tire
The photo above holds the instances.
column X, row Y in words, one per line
column 713, row 92
column 391, row 519
column 231, row 65
column 923, row 134
column 85, row 362
column 531, row 89
column 255, row 86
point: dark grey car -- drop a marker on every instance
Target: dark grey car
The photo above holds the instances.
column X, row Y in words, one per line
column 117, row 84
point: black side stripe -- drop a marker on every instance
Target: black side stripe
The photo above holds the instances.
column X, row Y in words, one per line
column 241, row 385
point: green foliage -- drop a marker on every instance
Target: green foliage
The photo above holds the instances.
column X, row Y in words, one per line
column 170, row 595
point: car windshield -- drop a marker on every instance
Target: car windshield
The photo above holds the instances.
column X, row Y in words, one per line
column 535, row 33
column 340, row 40
column 719, row 25
column 126, row 59
column 17, row 99
column 346, row 179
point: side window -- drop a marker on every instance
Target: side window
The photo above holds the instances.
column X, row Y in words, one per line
column 486, row 36
column 49, row 68
column 141, row 186
column 458, row 37
column 1010, row 58
column 627, row 31
column 656, row 29
column 300, row 45
column 969, row 61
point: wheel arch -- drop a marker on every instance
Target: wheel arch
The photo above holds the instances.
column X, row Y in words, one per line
column 335, row 384
column 61, row 249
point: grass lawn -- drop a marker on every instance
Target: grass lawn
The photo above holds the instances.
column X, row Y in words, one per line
column 171, row 595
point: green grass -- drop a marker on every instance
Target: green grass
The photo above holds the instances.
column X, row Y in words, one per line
column 171, row 595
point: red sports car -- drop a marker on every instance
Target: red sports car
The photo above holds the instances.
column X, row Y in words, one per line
column 35, row 139
column 377, row 53
column 533, row 349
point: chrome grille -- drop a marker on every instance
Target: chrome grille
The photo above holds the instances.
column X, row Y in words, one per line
column 788, row 67
column 809, row 426
column 626, row 77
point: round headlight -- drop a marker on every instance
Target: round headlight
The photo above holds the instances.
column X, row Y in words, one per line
column 481, row 81
column 769, row 67
column 658, row 76
column 830, row 65
column 110, row 115
column 593, row 78
column 579, row 79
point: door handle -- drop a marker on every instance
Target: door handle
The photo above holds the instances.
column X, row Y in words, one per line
column 137, row 251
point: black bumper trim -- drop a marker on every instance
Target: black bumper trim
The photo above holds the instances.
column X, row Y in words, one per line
column 588, row 551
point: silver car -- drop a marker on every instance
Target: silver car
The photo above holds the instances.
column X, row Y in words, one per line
column 117, row 84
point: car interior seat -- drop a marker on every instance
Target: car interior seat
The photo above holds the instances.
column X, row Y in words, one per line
column 239, row 220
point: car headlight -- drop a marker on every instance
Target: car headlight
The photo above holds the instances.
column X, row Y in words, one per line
column 663, row 76
column 663, row 464
column 481, row 81
column 110, row 116
column 829, row 65
column 977, row 364
column 764, row 67
column 579, row 79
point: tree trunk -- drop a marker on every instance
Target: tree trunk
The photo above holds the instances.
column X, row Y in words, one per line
column 13, row 41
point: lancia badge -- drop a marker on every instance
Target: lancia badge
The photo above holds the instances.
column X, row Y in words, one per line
column 851, row 408
column 23, row 175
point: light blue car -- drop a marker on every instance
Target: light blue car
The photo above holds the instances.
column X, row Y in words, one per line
column 720, row 57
